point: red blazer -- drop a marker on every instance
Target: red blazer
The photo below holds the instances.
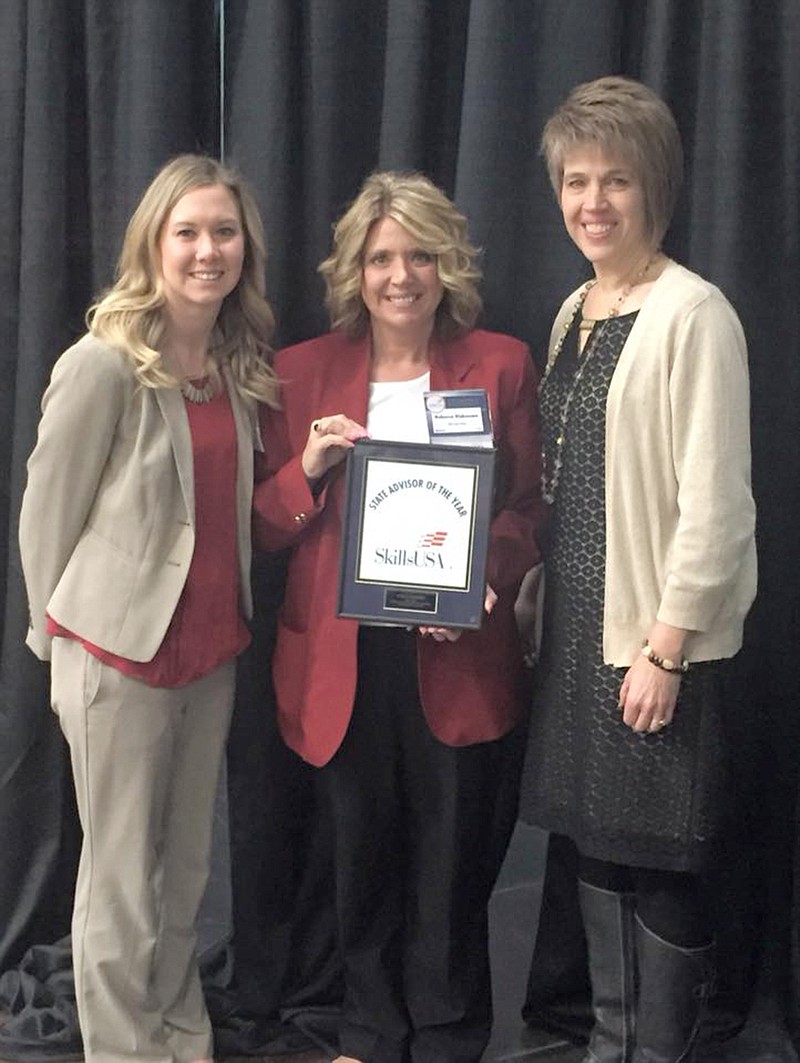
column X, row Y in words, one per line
column 472, row 690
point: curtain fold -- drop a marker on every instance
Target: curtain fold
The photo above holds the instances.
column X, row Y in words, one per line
column 94, row 98
column 42, row 268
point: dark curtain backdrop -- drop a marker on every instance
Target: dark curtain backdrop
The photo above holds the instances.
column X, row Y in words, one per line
column 94, row 96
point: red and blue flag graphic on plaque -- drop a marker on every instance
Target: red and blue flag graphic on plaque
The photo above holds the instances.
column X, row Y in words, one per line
column 436, row 538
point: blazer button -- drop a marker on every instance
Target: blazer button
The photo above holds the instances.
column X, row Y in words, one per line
column 300, row 518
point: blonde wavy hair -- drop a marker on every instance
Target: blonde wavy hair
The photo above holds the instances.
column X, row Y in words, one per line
column 627, row 120
column 432, row 219
column 129, row 315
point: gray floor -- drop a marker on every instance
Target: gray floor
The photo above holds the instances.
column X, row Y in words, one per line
column 513, row 914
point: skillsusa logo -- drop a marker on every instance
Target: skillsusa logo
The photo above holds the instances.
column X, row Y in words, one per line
column 426, row 554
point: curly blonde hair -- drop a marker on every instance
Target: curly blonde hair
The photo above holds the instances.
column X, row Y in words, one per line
column 432, row 219
column 129, row 315
column 623, row 118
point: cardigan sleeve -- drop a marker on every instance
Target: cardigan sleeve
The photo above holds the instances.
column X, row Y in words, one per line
column 710, row 417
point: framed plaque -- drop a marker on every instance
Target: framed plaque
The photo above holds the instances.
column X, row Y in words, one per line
column 416, row 533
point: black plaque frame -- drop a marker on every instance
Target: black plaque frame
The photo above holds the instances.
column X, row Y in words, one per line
column 408, row 595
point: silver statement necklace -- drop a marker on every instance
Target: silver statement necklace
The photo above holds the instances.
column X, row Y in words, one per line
column 551, row 476
column 201, row 393
column 198, row 388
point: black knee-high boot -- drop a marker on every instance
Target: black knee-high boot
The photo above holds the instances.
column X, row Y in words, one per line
column 674, row 985
column 609, row 924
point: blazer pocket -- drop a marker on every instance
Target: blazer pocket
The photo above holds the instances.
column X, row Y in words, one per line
column 92, row 671
column 74, row 675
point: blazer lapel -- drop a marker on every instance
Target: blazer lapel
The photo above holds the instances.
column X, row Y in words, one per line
column 346, row 389
column 247, row 440
column 451, row 364
column 170, row 402
column 349, row 381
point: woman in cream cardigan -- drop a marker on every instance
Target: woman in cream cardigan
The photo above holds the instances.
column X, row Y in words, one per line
column 650, row 573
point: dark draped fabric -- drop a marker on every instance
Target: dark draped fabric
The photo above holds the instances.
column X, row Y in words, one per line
column 95, row 96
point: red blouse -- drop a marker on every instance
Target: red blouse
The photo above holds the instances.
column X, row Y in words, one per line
column 207, row 628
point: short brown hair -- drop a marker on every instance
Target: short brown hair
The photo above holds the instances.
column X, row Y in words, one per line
column 432, row 219
column 623, row 118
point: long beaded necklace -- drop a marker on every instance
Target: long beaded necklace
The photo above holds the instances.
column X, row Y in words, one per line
column 550, row 481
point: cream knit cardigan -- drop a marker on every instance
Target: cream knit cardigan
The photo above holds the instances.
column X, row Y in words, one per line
column 680, row 517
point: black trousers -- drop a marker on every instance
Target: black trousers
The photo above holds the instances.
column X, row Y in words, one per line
column 420, row 831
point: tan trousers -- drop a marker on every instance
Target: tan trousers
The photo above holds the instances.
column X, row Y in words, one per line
column 145, row 762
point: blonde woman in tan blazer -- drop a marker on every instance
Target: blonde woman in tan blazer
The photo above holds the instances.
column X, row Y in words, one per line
column 135, row 541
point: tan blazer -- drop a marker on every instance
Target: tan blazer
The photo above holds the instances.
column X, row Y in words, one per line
column 107, row 521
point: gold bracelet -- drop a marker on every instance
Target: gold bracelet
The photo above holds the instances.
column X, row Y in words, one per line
column 666, row 664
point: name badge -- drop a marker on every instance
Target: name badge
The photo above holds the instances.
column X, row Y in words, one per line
column 459, row 418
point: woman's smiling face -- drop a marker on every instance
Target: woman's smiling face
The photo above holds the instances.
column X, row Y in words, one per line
column 603, row 204
column 400, row 282
column 202, row 248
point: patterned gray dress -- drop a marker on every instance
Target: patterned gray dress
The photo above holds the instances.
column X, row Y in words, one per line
column 648, row 801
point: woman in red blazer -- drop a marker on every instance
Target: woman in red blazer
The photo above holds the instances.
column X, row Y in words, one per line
column 415, row 731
